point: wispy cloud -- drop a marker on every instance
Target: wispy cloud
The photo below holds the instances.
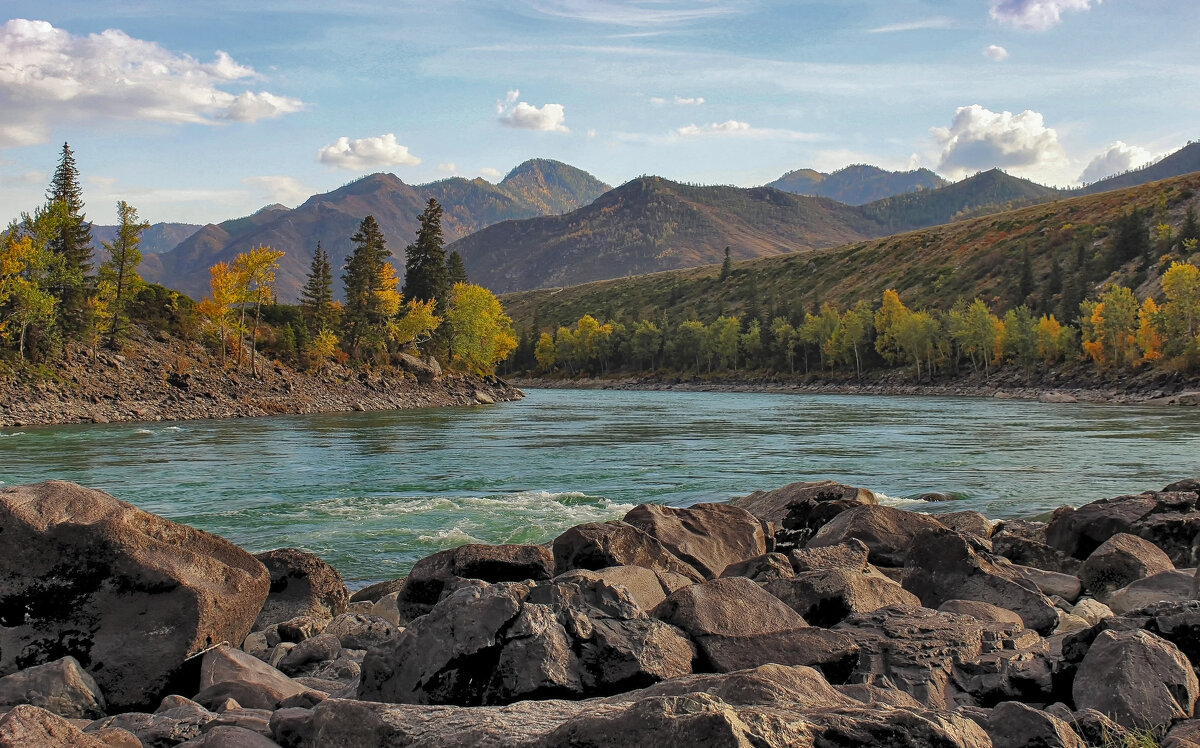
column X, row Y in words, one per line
column 737, row 128
column 366, row 153
column 279, row 189
column 937, row 22
column 526, row 116
column 50, row 76
column 636, row 12
column 1035, row 15
column 995, row 52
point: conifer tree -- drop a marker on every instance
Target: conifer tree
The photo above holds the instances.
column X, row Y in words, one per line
column 456, row 271
column 118, row 280
column 316, row 297
column 425, row 273
column 726, row 266
column 72, row 241
column 364, row 317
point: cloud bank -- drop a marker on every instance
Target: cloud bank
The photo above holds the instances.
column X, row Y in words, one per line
column 980, row 139
column 49, row 76
column 1115, row 159
column 366, row 153
column 525, row 116
column 1035, row 15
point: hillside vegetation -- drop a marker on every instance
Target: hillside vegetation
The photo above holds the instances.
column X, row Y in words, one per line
column 857, row 184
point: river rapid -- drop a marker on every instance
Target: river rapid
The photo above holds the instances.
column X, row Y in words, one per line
column 374, row 492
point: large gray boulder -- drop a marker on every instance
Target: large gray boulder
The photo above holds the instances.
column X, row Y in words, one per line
column 645, row 586
column 943, row 565
column 796, row 511
column 302, row 585
column 825, row 597
column 599, row 545
column 1166, row 586
column 62, row 687
column 128, row 594
column 1138, row 679
column 1120, row 561
column 33, row 727
column 708, row 537
column 434, row 577
column 1170, row 519
column 1012, row 724
column 887, row 531
column 226, row 673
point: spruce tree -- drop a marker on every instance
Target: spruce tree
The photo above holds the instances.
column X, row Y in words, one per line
column 425, row 274
column 72, row 241
column 726, row 266
column 363, row 319
column 118, row 278
column 316, row 298
column 456, row 271
column 1190, row 228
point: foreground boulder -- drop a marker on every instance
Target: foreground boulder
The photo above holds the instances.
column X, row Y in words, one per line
column 1166, row 586
column 495, row 644
column 436, row 576
column 943, row 565
column 228, row 673
column 302, row 585
column 1012, row 724
column 128, row 594
column 708, row 537
column 61, row 687
column 796, row 511
column 599, row 545
column 824, row 597
column 1120, row 561
column 30, row 726
column 887, row 531
column 1138, row 679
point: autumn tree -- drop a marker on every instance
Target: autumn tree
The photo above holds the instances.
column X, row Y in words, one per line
column 853, row 332
column 255, row 277
column 425, row 274
column 722, row 342
column 480, row 334
column 1110, row 332
column 887, row 319
column 545, row 352
column 916, row 337
column 118, row 281
column 1149, row 341
column 1180, row 317
column 687, row 344
column 785, row 340
column 1018, row 340
column 316, row 297
column 646, row 343
column 365, row 320
column 976, row 330
column 72, row 240
column 23, row 302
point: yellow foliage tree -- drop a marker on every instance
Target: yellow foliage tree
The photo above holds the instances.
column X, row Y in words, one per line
column 417, row 323
column 481, row 334
column 1148, row 339
column 255, row 276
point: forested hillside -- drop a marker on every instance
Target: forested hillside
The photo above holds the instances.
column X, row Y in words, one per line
column 857, row 184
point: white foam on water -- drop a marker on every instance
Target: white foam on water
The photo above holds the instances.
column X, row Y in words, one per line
column 452, row 536
column 148, row 432
column 14, row 433
column 886, row 500
column 173, row 428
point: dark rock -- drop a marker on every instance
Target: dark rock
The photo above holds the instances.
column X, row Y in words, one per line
column 1165, row 586
column 296, row 630
column 761, row 568
column 943, row 566
column 727, row 607
column 967, row 522
column 887, row 531
column 1120, row 561
column 372, row 593
column 796, row 511
column 291, row 727
column 1137, row 678
column 1031, row 552
column 767, row 685
column 825, row 597
column 1015, row 725
column 599, row 545
column 1185, row 734
column 645, row 586
column 255, row 720
column 301, row 585
column 231, row 673
column 1169, row 520
column 61, row 687
column 1051, row 583
column 227, row 736
column 936, row 496
column 434, row 577
column 153, row 730
column 877, row 696
column 29, row 726
column 1097, row 729
column 981, row 611
column 357, row 631
column 130, row 595
column 321, row 648
column 708, row 537
column 850, row 555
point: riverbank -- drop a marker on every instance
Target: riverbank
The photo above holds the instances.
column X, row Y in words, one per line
column 1051, row 386
column 157, row 377
column 809, row 615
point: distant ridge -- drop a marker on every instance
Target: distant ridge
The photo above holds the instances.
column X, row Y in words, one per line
column 1184, row 161
column 857, row 184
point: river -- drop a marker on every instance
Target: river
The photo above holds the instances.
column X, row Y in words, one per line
column 373, row 492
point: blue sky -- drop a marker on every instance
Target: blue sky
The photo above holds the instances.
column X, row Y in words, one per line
column 202, row 111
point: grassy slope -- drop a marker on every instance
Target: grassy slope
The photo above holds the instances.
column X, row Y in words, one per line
column 930, row 267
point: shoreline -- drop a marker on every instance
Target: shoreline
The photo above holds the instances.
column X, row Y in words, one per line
column 1000, row 391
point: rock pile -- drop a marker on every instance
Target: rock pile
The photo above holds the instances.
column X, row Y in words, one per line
column 807, row 616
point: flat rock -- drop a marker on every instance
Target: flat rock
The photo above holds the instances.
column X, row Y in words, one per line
column 981, row 611
column 61, row 687
column 708, row 537
column 372, row 592
column 230, row 673
column 887, row 531
column 1165, row 586
column 825, row 597
column 850, row 555
column 128, row 594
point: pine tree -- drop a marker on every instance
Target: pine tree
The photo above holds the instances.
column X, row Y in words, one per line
column 316, row 298
column 72, row 241
column 118, row 280
column 363, row 318
column 1190, row 228
column 726, row 267
column 425, row 274
column 456, row 271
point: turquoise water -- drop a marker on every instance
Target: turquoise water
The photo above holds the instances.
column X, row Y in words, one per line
column 374, row 492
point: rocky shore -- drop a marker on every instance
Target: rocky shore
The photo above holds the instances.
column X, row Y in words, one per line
column 805, row 616
column 162, row 378
column 1049, row 386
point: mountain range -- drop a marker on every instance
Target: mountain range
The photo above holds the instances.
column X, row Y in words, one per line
column 550, row 224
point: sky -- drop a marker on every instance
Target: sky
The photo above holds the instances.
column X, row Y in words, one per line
column 203, row 111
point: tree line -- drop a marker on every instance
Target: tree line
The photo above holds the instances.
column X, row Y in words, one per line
column 52, row 294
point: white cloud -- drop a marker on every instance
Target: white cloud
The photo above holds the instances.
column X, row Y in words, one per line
column 635, row 12
column 1035, row 15
column 995, row 52
column 716, row 128
column 286, row 190
column 937, row 22
column 366, row 153
column 657, row 100
column 689, row 101
column 490, row 173
column 49, row 76
column 101, row 181
column 449, row 168
column 592, row 133
column 1115, row 159
column 525, row 116
column 979, row 139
